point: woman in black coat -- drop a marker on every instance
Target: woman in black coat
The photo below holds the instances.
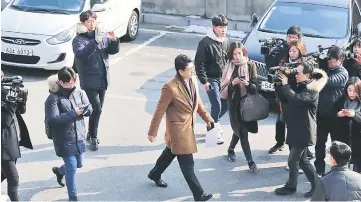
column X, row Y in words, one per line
column 14, row 133
column 239, row 78
column 349, row 119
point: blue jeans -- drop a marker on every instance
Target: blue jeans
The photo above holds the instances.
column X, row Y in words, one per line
column 219, row 106
column 69, row 170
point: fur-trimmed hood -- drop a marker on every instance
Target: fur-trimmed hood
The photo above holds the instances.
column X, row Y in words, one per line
column 80, row 28
column 319, row 80
column 53, row 83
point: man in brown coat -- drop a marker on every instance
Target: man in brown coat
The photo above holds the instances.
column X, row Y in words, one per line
column 181, row 102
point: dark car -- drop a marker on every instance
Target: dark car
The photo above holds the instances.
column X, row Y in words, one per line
column 323, row 22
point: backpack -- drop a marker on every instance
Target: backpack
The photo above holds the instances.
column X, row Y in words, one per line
column 48, row 129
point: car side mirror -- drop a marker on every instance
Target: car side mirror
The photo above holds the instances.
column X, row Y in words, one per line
column 99, row 8
column 357, row 31
column 254, row 20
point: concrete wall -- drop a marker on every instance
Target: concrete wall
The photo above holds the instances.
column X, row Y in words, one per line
column 239, row 10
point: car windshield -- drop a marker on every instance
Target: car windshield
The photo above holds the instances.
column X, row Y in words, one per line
column 315, row 20
column 50, row 6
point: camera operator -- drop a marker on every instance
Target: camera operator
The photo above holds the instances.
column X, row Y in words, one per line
column 326, row 114
column 14, row 133
column 299, row 109
column 353, row 64
column 294, row 35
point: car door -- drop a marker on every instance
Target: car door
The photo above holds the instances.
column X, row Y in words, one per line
column 104, row 18
column 124, row 9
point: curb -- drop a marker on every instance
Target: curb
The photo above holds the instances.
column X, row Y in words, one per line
column 160, row 19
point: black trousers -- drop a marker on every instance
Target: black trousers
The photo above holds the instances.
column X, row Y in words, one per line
column 325, row 126
column 298, row 158
column 186, row 164
column 280, row 130
column 9, row 172
column 96, row 99
column 244, row 144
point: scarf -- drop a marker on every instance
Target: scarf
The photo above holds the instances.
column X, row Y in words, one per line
column 191, row 91
column 227, row 76
column 352, row 104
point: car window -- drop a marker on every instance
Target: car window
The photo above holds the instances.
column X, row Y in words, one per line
column 314, row 20
column 356, row 17
column 71, row 6
column 92, row 2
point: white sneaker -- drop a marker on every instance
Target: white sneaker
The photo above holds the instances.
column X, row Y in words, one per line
column 300, row 171
column 220, row 139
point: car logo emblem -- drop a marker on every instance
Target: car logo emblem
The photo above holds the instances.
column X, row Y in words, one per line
column 19, row 41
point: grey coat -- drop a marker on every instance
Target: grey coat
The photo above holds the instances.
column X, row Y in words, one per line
column 299, row 110
column 340, row 184
column 68, row 129
column 92, row 59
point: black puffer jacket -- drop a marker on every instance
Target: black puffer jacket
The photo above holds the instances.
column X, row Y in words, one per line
column 337, row 79
column 210, row 57
column 299, row 110
column 68, row 129
column 352, row 67
column 92, row 59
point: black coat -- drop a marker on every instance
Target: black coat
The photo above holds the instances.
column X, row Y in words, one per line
column 210, row 58
column 340, row 184
column 234, row 100
column 349, row 130
column 352, row 67
column 9, row 140
column 299, row 110
column 68, row 129
column 92, row 60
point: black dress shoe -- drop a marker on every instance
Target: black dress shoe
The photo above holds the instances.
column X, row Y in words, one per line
column 159, row 182
column 203, row 197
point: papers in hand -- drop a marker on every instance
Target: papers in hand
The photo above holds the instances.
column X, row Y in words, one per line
column 211, row 137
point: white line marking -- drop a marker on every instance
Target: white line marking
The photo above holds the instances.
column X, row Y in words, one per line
column 184, row 33
column 134, row 50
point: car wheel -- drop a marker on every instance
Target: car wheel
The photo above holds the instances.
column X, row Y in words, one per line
column 133, row 27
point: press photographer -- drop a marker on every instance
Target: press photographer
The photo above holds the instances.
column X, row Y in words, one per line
column 275, row 49
column 299, row 109
column 352, row 62
column 14, row 132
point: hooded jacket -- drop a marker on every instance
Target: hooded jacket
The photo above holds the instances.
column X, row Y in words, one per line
column 299, row 109
column 210, row 57
column 92, row 50
column 68, row 129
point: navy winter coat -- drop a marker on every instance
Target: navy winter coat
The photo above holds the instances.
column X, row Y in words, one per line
column 68, row 129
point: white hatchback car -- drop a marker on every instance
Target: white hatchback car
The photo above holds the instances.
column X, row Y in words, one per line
column 39, row 33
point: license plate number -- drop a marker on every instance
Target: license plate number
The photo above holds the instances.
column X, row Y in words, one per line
column 266, row 86
column 18, row 51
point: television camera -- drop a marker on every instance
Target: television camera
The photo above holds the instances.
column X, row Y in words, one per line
column 13, row 91
column 272, row 46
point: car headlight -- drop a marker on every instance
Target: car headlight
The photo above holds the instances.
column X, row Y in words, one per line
column 62, row 37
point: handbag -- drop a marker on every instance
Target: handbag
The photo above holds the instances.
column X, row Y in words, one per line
column 254, row 108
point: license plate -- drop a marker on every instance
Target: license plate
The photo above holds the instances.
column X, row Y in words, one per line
column 266, row 86
column 18, row 51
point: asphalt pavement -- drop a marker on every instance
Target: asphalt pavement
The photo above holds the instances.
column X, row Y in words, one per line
column 118, row 170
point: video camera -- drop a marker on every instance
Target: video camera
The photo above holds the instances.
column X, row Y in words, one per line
column 272, row 46
column 286, row 69
column 13, row 91
column 320, row 54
